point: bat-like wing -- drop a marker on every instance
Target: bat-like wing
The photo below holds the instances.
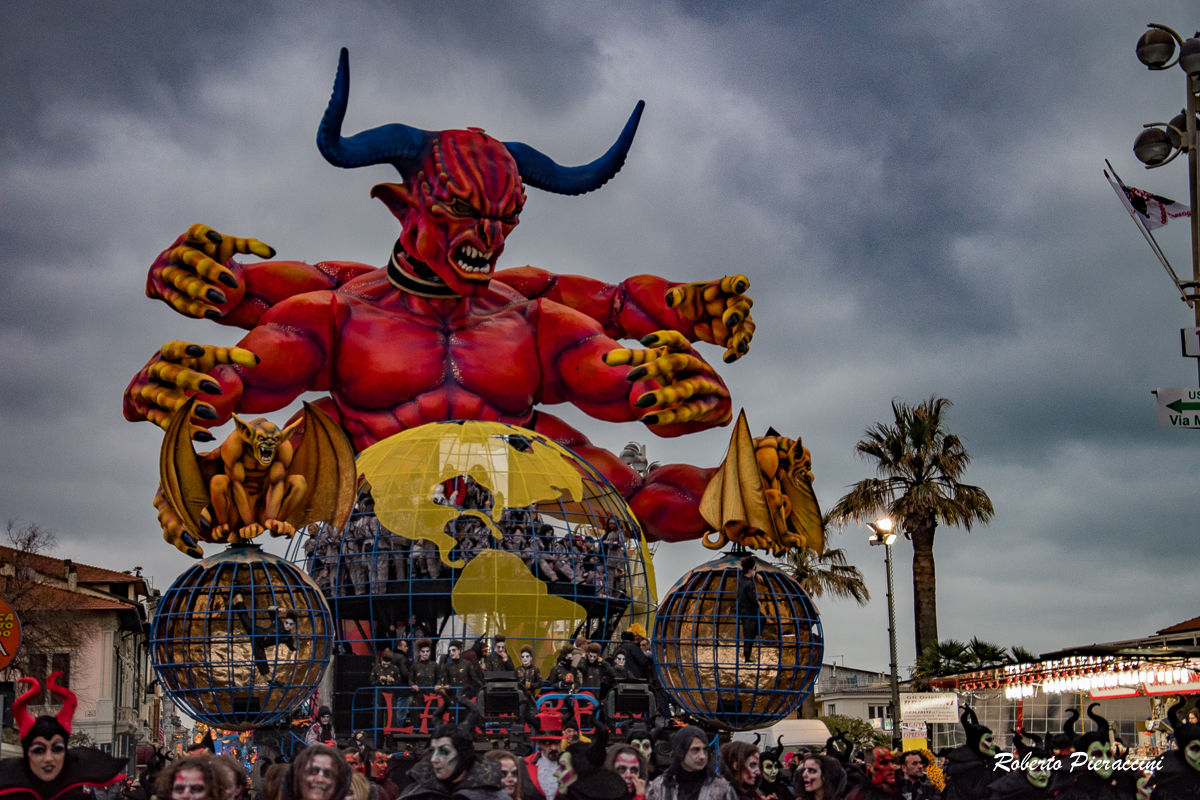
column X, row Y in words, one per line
column 326, row 460
column 183, row 475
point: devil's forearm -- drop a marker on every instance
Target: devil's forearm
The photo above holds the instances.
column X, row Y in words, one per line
column 668, row 503
column 262, row 285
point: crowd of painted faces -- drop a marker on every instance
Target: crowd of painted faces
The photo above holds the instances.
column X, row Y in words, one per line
column 367, row 556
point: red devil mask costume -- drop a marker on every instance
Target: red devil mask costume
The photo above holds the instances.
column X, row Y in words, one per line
column 47, row 735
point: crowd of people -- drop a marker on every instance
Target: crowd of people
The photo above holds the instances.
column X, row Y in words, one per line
column 366, row 556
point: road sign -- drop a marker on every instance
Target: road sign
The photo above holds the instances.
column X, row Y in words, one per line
column 10, row 633
column 1191, row 342
column 922, row 707
column 1178, row 408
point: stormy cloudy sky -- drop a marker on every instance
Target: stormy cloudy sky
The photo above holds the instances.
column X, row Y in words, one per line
column 914, row 190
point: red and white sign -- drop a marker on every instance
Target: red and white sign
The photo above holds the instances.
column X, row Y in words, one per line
column 10, row 633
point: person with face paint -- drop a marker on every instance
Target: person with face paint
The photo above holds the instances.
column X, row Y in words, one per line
column 772, row 784
column 969, row 767
column 451, row 770
column 1179, row 776
column 581, row 773
column 48, row 767
column 322, row 730
column 459, row 673
column 641, row 739
column 510, row 772
column 198, row 777
column 631, row 766
column 741, row 765
column 1093, row 779
column 539, row 781
column 819, row 777
column 691, row 774
column 882, row 774
column 318, row 773
column 1031, row 783
column 424, row 672
column 499, row 660
column 529, row 677
column 378, row 766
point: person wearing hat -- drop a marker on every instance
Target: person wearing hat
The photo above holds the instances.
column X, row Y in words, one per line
column 772, row 782
column 691, row 774
column 1093, row 779
column 539, row 781
column 1179, row 776
column 322, row 730
column 1030, row 780
column 48, row 768
column 969, row 768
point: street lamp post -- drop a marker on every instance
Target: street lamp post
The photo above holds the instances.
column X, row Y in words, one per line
column 883, row 533
column 1161, row 142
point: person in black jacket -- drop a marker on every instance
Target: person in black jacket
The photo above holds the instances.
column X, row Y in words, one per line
column 281, row 630
column 529, row 677
column 637, row 663
column 912, row 782
column 562, row 675
column 748, row 614
column 459, row 673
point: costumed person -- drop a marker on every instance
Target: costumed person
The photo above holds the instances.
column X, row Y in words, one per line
column 279, row 631
column 1030, row 776
column 773, row 784
column 529, row 677
column 563, row 674
column 912, row 782
column 581, row 772
column 379, row 766
column 48, row 768
column 641, row 739
column 498, row 660
column 318, row 773
column 882, row 772
column 969, row 767
column 458, row 673
column 630, row 764
column 1092, row 780
column 748, row 614
column 640, row 667
column 1061, row 745
column 451, row 769
column 424, row 672
column 322, row 730
column 852, row 770
column 1179, row 777
column 510, row 772
column 539, row 780
column 691, row 774
column 819, row 777
column 197, row 777
column 741, row 765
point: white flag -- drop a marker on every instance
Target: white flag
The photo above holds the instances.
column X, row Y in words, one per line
column 1154, row 210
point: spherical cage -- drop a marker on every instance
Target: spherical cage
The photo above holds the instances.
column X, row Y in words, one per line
column 241, row 639
column 699, row 646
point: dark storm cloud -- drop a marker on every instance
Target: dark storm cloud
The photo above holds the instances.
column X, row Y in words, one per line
column 914, row 190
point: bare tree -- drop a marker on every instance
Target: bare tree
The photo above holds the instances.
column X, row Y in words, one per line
column 49, row 623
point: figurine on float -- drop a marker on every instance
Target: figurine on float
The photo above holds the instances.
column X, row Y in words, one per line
column 255, row 482
column 48, row 768
column 440, row 335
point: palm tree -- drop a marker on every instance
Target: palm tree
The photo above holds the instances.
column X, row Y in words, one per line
column 919, row 466
column 951, row 656
column 828, row 572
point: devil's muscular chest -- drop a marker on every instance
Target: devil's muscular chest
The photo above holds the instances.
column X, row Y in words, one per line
column 403, row 365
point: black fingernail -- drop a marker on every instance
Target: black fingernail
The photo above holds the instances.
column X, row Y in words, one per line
column 650, row 339
column 194, row 350
column 203, row 436
column 188, row 540
column 272, row 253
column 740, row 287
column 213, row 237
column 743, row 346
column 228, row 280
column 257, row 360
column 636, row 374
column 205, row 412
column 212, row 313
column 210, row 387
column 734, row 320
column 646, row 400
column 650, row 419
column 731, row 357
column 215, row 297
column 671, row 300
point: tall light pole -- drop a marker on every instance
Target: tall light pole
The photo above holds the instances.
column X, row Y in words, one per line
column 1161, row 142
column 883, row 532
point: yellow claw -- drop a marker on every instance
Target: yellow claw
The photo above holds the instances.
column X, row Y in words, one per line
column 634, row 358
column 666, row 365
column 673, row 341
column 735, row 284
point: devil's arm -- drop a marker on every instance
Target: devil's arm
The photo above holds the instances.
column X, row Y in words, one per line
column 631, row 309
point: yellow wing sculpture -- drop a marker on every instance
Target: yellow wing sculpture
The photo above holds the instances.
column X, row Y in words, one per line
column 762, row 496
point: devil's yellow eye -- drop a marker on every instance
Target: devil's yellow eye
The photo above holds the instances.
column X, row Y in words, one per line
column 463, row 208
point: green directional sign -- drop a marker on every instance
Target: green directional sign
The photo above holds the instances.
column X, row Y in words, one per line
column 1178, row 408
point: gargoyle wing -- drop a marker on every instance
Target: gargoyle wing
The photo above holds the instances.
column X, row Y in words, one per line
column 326, row 460
column 805, row 518
column 184, row 475
column 733, row 500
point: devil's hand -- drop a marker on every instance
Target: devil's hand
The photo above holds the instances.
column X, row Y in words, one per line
column 176, row 372
column 690, row 390
column 191, row 275
column 719, row 312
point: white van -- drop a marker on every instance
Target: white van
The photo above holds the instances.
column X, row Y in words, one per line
column 796, row 733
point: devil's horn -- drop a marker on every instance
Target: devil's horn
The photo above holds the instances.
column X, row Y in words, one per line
column 20, row 715
column 1101, row 722
column 395, row 144
column 1069, row 724
column 69, row 701
column 540, row 171
column 1172, row 714
column 968, row 712
column 757, row 738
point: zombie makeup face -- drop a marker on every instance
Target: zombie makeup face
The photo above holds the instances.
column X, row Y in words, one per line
column 770, row 770
column 1191, row 754
column 696, row 757
column 627, row 766
column 643, row 746
column 317, row 783
column 444, row 758
column 379, row 766
column 619, row 660
column 1098, row 753
column 355, row 763
column 455, row 654
column 526, row 659
column 1038, row 773
column 510, row 777
column 424, row 654
column 751, row 771
column 811, row 775
column 188, row 785
column 565, row 773
column 988, row 746
column 289, row 624
column 500, row 649
column 592, row 658
column 46, row 757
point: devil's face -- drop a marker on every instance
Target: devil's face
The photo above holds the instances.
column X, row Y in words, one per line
column 988, row 746
column 770, row 769
column 1191, row 754
column 458, row 210
column 1098, row 754
column 1038, row 773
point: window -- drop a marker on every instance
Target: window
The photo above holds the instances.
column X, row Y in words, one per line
column 61, row 662
column 878, row 712
column 831, row 708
